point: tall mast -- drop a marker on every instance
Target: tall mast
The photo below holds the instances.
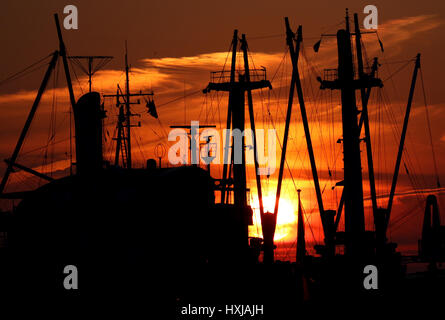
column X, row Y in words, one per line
column 365, row 118
column 353, row 181
column 120, row 120
column 324, row 214
column 402, row 141
column 252, row 124
column 237, row 91
column 378, row 214
column 127, row 108
column 229, row 117
column 62, row 52
column 294, row 54
column 353, row 188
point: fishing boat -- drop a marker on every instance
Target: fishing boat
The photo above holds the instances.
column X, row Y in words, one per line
column 107, row 219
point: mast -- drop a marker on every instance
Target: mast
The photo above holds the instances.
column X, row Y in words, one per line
column 324, row 214
column 238, row 123
column 353, row 189
column 12, row 161
column 377, row 213
column 124, row 125
column 90, row 73
column 268, row 222
column 252, row 124
column 289, row 39
column 229, row 117
column 353, row 181
column 127, row 108
column 237, row 91
column 402, row 141
column 62, row 52
column 364, row 117
column 120, row 120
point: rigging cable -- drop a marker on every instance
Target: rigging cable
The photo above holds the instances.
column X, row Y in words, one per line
column 429, row 130
column 22, row 72
column 75, row 75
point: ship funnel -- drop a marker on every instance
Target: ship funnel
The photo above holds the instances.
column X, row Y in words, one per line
column 88, row 115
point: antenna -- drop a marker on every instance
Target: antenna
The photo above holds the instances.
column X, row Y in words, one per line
column 90, row 70
column 123, row 140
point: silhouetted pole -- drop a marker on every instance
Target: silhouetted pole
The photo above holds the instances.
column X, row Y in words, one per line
column 352, row 196
column 120, row 120
column 252, row 123
column 127, row 108
column 90, row 60
column 28, row 122
column 90, row 73
column 301, row 242
column 364, row 115
column 237, row 90
column 353, row 189
column 294, row 59
column 289, row 39
column 402, row 141
column 229, row 117
column 123, row 133
column 62, row 52
column 266, row 223
column 238, row 122
column 360, row 125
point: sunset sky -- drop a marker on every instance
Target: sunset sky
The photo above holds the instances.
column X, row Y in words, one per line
column 173, row 46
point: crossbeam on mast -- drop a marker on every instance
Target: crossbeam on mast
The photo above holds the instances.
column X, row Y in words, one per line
column 125, row 116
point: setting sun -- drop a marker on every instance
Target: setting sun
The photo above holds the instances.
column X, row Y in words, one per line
column 286, row 220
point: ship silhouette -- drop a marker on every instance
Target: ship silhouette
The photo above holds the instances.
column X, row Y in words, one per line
column 158, row 234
